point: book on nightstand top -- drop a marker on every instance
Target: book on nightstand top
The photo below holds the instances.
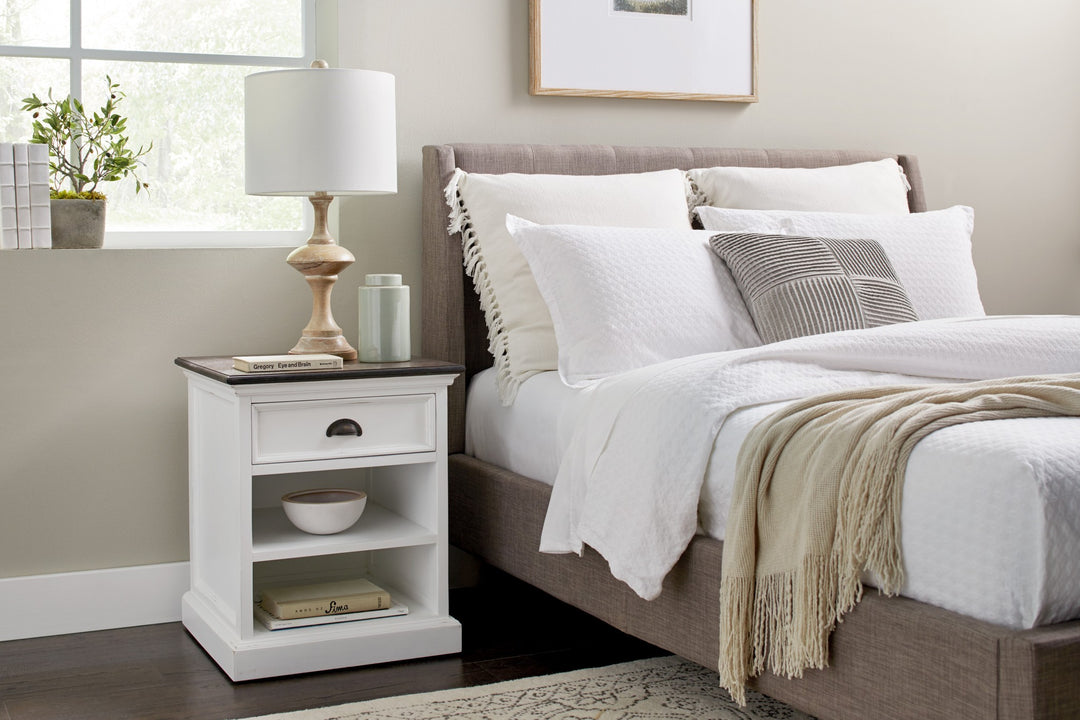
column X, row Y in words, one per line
column 277, row 363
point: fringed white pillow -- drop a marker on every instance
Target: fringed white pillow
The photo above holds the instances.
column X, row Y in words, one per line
column 520, row 334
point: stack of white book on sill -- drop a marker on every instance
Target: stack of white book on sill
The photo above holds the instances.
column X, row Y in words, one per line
column 25, row 217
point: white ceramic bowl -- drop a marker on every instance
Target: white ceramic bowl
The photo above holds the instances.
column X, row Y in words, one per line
column 324, row 511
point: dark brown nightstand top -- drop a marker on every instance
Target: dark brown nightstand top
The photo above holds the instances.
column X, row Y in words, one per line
column 220, row 368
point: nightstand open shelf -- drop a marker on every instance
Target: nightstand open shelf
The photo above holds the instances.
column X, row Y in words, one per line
column 275, row 538
column 249, row 441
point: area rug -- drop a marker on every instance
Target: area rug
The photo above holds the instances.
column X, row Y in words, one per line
column 666, row 687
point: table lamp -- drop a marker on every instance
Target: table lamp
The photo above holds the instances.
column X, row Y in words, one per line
column 320, row 132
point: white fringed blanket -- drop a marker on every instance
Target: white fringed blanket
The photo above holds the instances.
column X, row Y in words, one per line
column 817, row 503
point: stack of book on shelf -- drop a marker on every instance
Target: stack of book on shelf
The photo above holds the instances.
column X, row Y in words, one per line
column 324, row 603
column 25, row 216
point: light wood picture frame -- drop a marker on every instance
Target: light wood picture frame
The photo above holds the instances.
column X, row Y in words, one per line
column 653, row 49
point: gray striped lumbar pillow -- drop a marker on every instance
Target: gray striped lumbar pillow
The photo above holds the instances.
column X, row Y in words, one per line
column 796, row 286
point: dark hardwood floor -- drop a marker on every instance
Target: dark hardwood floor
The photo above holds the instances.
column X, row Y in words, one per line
column 159, row 672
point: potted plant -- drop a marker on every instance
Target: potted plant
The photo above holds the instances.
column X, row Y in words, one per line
column 84, row 150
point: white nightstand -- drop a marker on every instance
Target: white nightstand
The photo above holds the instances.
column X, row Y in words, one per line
column 254, row 436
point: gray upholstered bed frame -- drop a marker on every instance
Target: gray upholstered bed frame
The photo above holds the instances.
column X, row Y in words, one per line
column 890, row 658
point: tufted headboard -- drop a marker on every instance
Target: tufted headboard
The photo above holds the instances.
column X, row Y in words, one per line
column 452, row 325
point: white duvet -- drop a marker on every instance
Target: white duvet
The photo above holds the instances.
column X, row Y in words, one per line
column 630, row 480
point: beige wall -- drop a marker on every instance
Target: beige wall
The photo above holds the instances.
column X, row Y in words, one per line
column 987, row 94
column 92, row 434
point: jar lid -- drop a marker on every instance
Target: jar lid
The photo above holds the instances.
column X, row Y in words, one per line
column 384, row 279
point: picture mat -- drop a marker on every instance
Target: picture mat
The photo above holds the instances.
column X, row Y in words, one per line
column 586, row 45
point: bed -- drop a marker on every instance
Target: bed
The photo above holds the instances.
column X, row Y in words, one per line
column 901, row 657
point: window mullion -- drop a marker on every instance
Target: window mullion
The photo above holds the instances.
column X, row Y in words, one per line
column 310, row 30
column 78, row 53
column 75, row 43
column 192, row 58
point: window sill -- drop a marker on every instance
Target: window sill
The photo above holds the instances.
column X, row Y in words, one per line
column 173, row 240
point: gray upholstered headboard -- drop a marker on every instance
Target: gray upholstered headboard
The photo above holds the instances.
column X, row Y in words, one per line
column 452, row 325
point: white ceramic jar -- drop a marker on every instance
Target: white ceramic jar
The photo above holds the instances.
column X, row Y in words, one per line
column 384, row 319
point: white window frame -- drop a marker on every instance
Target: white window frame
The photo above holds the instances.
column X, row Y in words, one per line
column 75, row 54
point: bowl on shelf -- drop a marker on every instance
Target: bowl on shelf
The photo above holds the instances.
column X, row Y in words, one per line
column 324, row 511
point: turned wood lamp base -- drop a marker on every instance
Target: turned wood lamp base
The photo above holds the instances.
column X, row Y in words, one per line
column 320, row 261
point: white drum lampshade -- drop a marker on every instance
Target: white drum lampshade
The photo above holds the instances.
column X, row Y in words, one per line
column 320, row 132
column 314, row 130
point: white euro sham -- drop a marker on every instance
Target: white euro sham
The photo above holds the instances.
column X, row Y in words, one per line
column 930, row 251
column 879, row 187
column 623, row 298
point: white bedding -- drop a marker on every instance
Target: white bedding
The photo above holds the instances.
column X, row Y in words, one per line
column 991, row 512
column 528, row 437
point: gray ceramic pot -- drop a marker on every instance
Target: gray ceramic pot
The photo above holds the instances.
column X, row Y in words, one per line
column 77, row 223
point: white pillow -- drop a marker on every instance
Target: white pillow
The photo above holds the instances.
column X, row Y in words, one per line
column 624, row 298
column 867, row 187
column 930, row 251
column 520, row 334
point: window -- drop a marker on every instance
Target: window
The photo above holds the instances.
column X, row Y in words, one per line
column 181, row 66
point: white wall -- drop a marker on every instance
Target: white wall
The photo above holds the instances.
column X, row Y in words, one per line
column 93, row 434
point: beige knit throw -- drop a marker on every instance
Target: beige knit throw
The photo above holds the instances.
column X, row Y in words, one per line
column 817, row 501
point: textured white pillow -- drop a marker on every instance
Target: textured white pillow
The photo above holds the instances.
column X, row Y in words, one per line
column 520, row 334
column 930, row 251
column 867, row 187
column 624, row 298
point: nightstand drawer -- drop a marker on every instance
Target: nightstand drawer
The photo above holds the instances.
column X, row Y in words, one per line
column 342, row 428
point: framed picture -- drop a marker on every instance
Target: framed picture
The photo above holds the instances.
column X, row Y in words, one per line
column 666, row 49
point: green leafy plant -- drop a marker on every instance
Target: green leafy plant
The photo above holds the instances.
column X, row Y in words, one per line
column 85, row 150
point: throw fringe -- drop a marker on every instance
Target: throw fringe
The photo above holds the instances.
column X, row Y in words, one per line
column 791, row 615
column 476, row 268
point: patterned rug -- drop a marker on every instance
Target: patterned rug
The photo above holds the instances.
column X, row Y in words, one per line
column 667, row 688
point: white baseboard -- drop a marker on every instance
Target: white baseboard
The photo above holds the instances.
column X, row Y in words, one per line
column 40, row 605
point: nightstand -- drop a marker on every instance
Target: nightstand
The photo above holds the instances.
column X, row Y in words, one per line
column 252, row 437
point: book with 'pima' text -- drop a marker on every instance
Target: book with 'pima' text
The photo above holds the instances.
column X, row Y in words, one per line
column 331, row 598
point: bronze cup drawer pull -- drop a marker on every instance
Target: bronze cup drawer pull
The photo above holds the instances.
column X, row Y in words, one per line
column 344, row 426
